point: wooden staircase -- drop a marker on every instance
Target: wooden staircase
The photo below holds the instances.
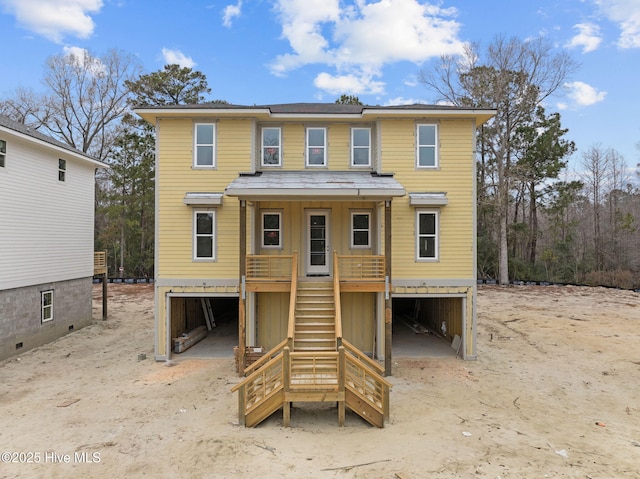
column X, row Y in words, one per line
column 314, row 364
column 315, row 317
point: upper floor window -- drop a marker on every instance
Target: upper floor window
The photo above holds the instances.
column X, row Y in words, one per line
column 271, row 229
column 62, row 170
column 204, row 145
column 427, row 235
column 427, row 146
column 204, row 237
column 361, row 147
column 360, row 229
column 46, row 306
column 3, row 152
column 271, row 147
column 316, row 147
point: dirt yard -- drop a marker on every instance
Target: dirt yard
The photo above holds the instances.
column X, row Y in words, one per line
column 554, row 393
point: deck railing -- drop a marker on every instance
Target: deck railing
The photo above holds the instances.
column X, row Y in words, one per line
column 269, row 267
column 361, row 268
column 280, row 267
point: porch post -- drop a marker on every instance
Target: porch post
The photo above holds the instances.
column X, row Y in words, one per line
column 387, row 297
column 242, row 309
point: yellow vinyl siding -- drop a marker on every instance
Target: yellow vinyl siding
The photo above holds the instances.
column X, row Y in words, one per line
column 293, row 146
column 359, row 319
column 273, row 317
column 453, row 176
column 338, row 144
column 176, row 177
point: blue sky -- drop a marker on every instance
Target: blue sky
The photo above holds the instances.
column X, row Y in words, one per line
column 279, row 51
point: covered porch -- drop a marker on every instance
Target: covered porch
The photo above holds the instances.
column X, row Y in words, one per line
column 299, row 227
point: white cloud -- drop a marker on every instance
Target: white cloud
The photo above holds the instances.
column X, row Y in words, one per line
column 588, row 37
column 230, row 12
column 176, row 57
column 82, row 57
column 626, row 13
column 53, row 19
column 358, row 39
column 583, row 94
column 402, row 101
column 348, row 84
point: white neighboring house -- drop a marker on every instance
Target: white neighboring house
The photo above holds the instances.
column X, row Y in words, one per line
column 47, row 202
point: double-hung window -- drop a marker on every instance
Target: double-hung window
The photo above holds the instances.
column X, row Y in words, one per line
column 427, row 146
column 361, row 147
column 271, row 229
column 360, row 229
column 204, row 235
column 46, row 306
column 62, row 170
column 204, row 149
column 427, row 235
column 316, row 147
column 271, row 147
column 3, row 153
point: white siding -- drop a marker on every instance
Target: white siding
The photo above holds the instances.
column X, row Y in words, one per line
column 46, row 225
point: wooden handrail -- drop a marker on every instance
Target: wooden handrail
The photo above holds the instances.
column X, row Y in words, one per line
column 370, row 386
column 256, row 373
column 291, row 325
column 264, row 359
column 336, row 299
column 363, row 357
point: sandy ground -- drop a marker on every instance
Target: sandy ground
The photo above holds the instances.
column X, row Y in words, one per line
column 554, row 393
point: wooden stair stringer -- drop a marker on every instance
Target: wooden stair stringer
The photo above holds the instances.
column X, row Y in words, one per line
column 363, row 407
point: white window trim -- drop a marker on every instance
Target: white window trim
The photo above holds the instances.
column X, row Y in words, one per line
column 62, row 170
column 3, row 153
column 44, row 308
column 353, row 148
column 352, row 230
column 213, row 235
column 262, row 147
column 324, row 147
column 262, row 229
column 436, row 258
column 436, row 152
column 196, row 144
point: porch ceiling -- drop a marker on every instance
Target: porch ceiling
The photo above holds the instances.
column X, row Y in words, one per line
column 315, row 184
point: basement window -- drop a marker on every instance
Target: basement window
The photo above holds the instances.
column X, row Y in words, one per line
column 46, row 306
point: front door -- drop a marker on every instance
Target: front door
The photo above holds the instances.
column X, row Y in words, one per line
column 318, row 247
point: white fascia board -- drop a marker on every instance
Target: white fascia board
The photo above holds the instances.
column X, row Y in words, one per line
column 428, row 199
column 316, row 193
column 317, row 116
column 203, row 199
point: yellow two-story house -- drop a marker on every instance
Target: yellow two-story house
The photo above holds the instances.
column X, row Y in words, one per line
column 317, row 220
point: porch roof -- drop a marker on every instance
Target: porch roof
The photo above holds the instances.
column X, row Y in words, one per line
column 315, row 184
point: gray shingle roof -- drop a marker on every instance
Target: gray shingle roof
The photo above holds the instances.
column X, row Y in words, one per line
column 288, row 184
column 18, row 127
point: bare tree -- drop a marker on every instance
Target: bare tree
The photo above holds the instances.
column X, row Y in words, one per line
column 25, row 107
column 514, row 76
column 85, row 100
